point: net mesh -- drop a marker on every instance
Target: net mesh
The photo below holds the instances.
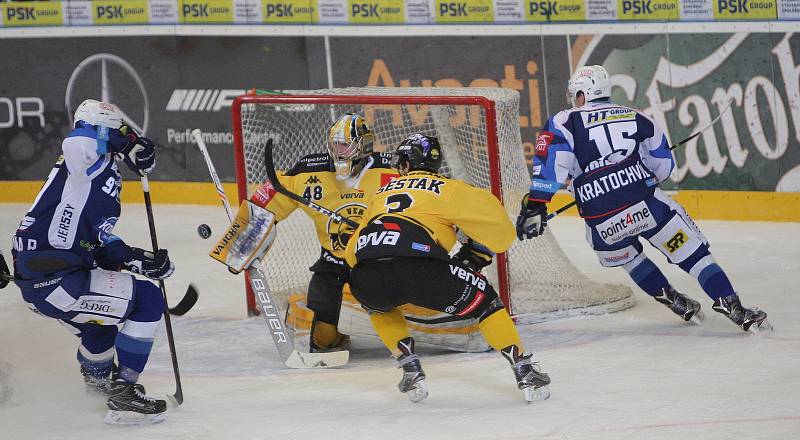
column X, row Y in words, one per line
column 543, row 283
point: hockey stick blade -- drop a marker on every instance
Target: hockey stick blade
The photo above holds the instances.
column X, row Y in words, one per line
column 332, row 359
column 690, row 137
column 187, row 302
column 273, row 178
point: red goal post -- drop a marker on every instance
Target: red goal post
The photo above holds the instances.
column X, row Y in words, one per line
column 479, row 130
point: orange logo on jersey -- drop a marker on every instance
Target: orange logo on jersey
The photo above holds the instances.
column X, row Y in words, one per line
column 542, row 142
column 388, row 177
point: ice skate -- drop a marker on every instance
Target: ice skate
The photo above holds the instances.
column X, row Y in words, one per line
column 683, row 306
column 98, row 384
column 413, row 382
column 128, row 405
column 751, row 320
column 530, row 379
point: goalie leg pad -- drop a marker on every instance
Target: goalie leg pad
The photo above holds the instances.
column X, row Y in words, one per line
column 249, row 236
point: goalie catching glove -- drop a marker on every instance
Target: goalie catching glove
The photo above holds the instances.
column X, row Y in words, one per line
column 249, row 237
column 474, row 255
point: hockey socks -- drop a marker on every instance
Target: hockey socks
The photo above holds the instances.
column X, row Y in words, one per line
column 135, row 340
column 711, row 277
column 391, row 327
column 646, row 275
column 499, row 331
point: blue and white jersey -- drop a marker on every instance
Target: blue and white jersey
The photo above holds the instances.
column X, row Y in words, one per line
column 70, row 224
column 615, row 155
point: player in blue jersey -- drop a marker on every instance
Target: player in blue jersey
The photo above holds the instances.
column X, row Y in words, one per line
column 613, row 158
column 67, row 261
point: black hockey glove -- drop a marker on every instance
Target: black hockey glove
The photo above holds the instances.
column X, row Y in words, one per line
column 140, row 152
column 532, row 219
column 154, row 266
column 474, row 255
column 5, row 275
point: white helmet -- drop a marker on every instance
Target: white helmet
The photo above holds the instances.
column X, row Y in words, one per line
column 592, row 81
column 99, row 113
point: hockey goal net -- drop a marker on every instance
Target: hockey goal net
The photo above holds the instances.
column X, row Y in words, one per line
column 479, row 131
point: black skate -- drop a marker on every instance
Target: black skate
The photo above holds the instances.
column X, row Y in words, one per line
column 530, row 379
column 413, row 382
column 99, row 384
column 129, row 405
column 683, row 306
column 750, row 320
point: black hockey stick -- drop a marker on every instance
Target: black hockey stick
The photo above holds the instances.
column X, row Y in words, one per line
column 186, row 303
column 177, row 398
column 273, row 178
column 691, row 136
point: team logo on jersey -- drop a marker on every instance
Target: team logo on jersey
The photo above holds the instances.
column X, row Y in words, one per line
column 339, row 232
column 542, row 143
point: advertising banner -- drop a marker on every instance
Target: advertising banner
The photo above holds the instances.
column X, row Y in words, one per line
column 169, row 86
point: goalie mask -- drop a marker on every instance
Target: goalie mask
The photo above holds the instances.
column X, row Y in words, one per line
column 420, row 152
column 592, row 81
column 100, row 113
column 349, row 141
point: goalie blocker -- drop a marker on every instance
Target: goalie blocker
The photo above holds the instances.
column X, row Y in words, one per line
column 248, row 238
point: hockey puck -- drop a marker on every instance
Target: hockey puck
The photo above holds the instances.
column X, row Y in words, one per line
column 204, row 231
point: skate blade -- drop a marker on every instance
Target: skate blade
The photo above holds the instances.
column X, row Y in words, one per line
column 761, row 329
column 132, row 418
column 536, row 394
column 698, row 318
column 418, row 393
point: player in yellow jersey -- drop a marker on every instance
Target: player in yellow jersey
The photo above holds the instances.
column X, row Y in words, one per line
column 343, row 180
column 401, row 256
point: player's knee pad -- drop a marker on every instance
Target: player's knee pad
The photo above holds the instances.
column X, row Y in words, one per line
column 490, row 308
column 489, row 303
column 697, row 261
column 148, row 304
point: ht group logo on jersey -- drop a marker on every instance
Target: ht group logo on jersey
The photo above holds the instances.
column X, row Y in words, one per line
column 555, row 10
column 376, row 11
column 33, row 14
column 745, row 9
column 120, row 12
column 202, row 100
column 627, row 223
column 290, row 11
column 464, row 11
column 647, row 9
column 208, row 11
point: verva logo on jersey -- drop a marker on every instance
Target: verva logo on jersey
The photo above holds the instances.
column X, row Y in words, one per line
column 542, row 143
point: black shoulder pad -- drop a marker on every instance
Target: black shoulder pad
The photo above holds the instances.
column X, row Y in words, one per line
column 381, row 160
column 313, row 163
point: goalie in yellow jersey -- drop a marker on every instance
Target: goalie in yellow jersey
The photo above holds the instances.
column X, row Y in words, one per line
column 399, row 255
column 343, row 180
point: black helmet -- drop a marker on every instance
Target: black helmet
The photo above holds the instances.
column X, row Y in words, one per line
column 422, row 152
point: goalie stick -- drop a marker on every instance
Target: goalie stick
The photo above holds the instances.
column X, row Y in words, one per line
column 672, row 147
column 284, row 341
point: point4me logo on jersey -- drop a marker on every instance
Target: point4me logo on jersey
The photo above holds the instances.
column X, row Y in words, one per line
column 33, row 14
column 745, row 9
column 627, row 223
column 208, row 11
column 202, row 100
column 464, row 11
column 290, row 11
column 377, row 11
column 555, row 10
column 647, row 9
column 116, row 12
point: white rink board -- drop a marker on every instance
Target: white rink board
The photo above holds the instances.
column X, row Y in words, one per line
column 636, row 374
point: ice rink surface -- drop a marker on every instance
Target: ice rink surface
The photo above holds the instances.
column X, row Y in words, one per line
column 637, row 374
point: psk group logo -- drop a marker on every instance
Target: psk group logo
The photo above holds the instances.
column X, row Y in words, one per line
column 475, row 11
column 120, row 12
column 290, row 11
column 555, row 10
column 648, row 9
column 745, row 9
column 32, row 14
column 376, row 11
column 209, row 11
